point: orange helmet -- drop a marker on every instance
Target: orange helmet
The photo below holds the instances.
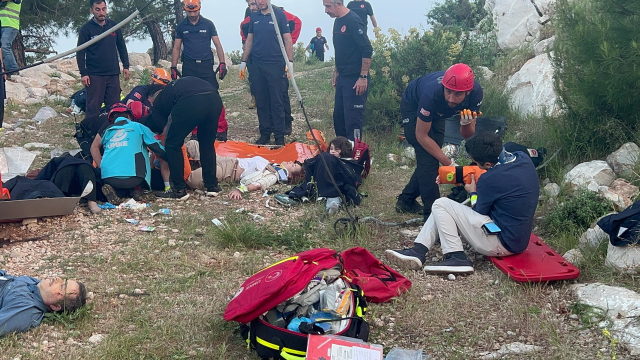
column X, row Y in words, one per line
column 458, row 77
column 161, row 76
column 192, row 5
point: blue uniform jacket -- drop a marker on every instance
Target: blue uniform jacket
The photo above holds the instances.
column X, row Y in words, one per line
column 125, row 150
column 21, row 306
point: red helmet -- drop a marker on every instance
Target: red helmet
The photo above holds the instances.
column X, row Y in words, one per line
column 119, row 108
column 192, row 5
column 318, row 29
column 458, row 77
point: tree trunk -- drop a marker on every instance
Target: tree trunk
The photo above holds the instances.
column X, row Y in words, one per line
column 177, row 8
column 160, row 51
column 18, row 50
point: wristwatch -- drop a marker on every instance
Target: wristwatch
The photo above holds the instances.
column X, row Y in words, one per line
column 364, row 76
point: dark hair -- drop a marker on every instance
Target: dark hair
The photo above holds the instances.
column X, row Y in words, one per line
column 343, row 144
column 153, row 88
column 91, row 2
column 484, row 147
column 72, row 303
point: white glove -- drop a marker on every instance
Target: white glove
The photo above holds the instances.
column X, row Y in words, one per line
column 243, row 65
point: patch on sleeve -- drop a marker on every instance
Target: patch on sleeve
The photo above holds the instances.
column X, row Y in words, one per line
column 533, row 153
column 137, row 95
column 425, row 112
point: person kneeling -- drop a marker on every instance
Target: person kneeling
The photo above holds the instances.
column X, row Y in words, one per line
column 506, row 196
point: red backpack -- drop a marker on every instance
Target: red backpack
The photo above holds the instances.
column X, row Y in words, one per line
column 361, row 156
column 274, row 284
column 379, row 282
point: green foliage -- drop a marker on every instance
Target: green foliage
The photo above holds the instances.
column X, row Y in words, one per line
column 145, row 77
column 398, row 59
column 576, row 214
column 69, row 319
column 299, row 54
column 461, row 14
column 589, row 316
column 597, row 53
column 235, row 56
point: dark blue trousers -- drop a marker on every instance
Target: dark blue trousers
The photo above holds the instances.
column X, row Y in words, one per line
column 269, row 86
column 348, row 109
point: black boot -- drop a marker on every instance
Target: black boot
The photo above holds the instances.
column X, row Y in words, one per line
column 263, row 140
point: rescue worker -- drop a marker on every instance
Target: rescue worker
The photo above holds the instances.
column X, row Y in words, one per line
column 10, row 18
column 351, row 72
column 317, row 45
column 159, row 78
column 191, row 102
column 363, row 9
column 269, row 69
column 426, row 104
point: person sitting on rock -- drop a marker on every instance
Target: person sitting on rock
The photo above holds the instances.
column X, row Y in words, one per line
column 125, row 166
column 24, row 300
column 253, row 174
column 506, row 196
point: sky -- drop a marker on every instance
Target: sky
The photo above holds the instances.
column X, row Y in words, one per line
column 227, row 15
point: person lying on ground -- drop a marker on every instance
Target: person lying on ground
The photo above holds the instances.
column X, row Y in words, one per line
column 253, row 174
column 125, row 167
column 24, row 300
column 506, row 196
column 72, row 175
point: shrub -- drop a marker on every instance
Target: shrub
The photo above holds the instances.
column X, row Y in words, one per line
column 235, row 56
column 596, row 56
column 576, row 214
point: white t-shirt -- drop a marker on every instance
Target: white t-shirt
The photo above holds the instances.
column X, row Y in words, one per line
column 251, row 165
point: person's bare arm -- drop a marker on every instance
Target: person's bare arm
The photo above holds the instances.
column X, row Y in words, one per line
column 175, row 54
column 288, row 46
column 362, row 84
column 468, row 130
column 95, row 150
column 218, row 45
column 422, row 135
column 248, row 45
column 373, row 21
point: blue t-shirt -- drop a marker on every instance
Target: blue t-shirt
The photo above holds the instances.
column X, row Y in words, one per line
column 508, row 194
column 266, row 48
column 196, row 38
column 21, row 305
column 426, row 95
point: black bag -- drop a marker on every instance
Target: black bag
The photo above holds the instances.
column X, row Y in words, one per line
column 629, row 218
column 271, row 341
column 80, row 98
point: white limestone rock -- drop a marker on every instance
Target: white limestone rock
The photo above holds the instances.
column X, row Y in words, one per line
column 532, row 89
column 544, row 46
column 624, row 160
column 516, row 21
column 573, row 256
column 485, row 72
column 142, row 59
column 624, row 258
column 552, row 190
column 597, row 171
column 16, row 92
column 625, row 189
column 592, row 238
column 37, row 93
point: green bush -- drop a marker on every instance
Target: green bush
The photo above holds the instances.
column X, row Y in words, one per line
column 576, row 214
column 235, row 56
column 597, row 52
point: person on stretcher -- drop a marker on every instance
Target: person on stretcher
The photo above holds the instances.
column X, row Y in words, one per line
column 499, row 222
column 253, row 174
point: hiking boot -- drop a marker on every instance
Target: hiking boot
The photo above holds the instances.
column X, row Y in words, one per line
column 407, row 258
column 222, row 136
column 288, row 128
column 252, row 104
column 136, row 194
column 263, row 140
column 285, row 200
column 280, row 140
column 413, row 207
column 172, row 194
column 111, row 195
column 213, row 191
column 453, row 263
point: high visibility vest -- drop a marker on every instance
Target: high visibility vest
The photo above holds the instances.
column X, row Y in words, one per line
column 10, row 15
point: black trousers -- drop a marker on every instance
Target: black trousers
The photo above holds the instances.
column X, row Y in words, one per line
column 102, row 89
column 124, row 186
column 3, row 95
column 319, row 55
column 202, row 69
column 286, row 101
column 72, row 180
column 348, row 108
column 203, row 111
column 269, row 86
column 423, row 180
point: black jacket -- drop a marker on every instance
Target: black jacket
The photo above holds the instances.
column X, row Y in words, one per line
column 101, row 58
column 629, row 218
column 23, row 188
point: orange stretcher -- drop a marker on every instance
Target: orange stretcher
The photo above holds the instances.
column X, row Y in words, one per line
column 290, row 152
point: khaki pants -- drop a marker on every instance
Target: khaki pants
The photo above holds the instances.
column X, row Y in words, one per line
column 225, row 167
column 449, row 221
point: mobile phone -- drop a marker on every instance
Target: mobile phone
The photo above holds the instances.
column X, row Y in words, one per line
column 491, row 228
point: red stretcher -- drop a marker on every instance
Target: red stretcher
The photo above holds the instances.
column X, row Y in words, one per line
column 290, row 152
column 536, row 264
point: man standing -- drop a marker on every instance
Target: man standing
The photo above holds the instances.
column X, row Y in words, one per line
column 363, row 9
column 10, row 18
column 351, row 73
column 98, row 64
column 498, row 223
column 191, row 102
column 317, row 44
column 24, row 300
column 196, row 34
column 244, row 32
column 269, row 66
column 426, row 104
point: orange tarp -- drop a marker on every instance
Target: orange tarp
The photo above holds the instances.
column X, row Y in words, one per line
column 290, row 152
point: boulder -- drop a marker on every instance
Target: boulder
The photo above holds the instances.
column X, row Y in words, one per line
column 32, row 82
column 625, row 189
column 624, row 160
column 516, row 21
column 44, row 114
column 37, row 92
column 16, row 92
column 544, row 46
column 66, row 65
column 619, row 202
column 34, row 101
column 622, row 307
column 485, row 72
column 552, row 190
column 623, row 258
column 142, row 59
column 597, row 171
column 37, row 71
column 164, row 64
column 592, row 238
column 138, row 68
column 573, row 256
column 532, row 89
column 545, row 7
